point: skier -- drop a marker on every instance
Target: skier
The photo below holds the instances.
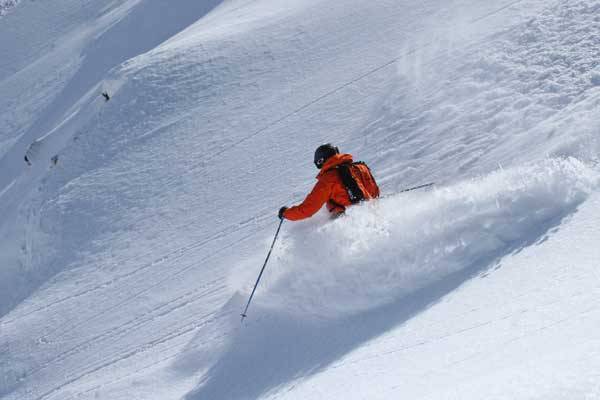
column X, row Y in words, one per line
column 340, row 183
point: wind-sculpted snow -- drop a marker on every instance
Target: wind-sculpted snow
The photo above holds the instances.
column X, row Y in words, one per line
column 531, row 86
column 386, row 249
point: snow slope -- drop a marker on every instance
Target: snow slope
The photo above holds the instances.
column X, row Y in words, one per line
column 524, row 329
column 75, row 45
column 126, row 261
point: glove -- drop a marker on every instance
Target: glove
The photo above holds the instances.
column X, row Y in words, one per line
column 281, row 212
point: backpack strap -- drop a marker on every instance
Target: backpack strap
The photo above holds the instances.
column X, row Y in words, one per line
column 355, row 194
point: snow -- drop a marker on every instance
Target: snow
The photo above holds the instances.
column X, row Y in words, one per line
column 523, row 329
column 6, row 5
column 129, row 246
column 385, row 250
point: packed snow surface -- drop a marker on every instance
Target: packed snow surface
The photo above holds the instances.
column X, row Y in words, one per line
column 132, row 230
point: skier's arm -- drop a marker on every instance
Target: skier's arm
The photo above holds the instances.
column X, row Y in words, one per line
column 313, row 203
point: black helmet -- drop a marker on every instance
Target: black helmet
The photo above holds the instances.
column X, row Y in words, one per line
column 323, row 152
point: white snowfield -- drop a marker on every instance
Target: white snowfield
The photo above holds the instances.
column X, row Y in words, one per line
column 131, row 237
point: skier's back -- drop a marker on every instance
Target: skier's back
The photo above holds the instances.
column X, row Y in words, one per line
column 340, row 183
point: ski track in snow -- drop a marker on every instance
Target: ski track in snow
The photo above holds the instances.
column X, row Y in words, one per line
column 173, row 256
column 7, row 188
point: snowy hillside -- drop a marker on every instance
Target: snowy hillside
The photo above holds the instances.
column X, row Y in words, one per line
column 132, row 230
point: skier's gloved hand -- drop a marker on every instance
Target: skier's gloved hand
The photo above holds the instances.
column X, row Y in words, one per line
column 281, row 212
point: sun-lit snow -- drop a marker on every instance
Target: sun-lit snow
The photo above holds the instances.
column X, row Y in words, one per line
column 384, row 250
column 132, row 236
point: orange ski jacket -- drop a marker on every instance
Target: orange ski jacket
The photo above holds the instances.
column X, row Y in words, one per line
column 331, row 190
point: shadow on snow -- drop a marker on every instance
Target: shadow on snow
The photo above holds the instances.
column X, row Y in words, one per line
column 275, row 348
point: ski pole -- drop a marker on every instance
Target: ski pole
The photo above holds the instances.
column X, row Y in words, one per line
column 417, row 187
column 262, row 270
column 407, row 190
